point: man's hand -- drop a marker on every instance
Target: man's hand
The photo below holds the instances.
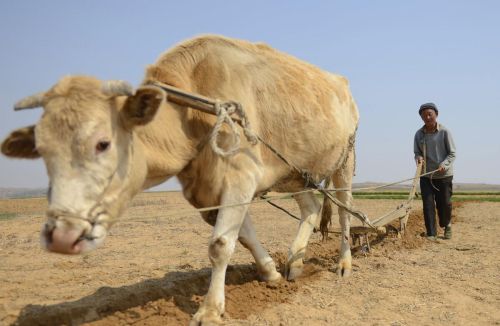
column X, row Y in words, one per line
column 419, row 160
column 442, row 168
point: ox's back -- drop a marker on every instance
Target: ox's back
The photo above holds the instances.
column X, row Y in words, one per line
column 307, row 114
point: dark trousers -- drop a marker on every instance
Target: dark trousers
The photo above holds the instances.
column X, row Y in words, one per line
column 438, row 197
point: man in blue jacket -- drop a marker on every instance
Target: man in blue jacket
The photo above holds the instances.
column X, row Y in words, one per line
column 434, row 146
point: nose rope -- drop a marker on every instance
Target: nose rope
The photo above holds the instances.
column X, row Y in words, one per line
column 94, row 218
column 94, row 215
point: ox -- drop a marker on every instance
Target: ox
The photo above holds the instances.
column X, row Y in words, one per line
column 103, row 142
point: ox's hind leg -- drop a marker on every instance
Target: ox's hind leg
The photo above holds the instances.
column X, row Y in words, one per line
column 342, row 178
column 265, row 264
column 309, row 210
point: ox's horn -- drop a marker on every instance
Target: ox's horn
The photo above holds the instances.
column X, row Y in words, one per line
column 30, row 102
column 117, row 87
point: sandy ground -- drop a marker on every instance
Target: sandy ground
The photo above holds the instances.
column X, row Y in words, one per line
column 154, row 270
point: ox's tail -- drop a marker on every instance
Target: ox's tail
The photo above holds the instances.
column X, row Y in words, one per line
column 326, row 212
column 344, row 175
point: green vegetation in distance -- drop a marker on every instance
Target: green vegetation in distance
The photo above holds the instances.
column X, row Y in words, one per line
column 457, row 196
column 7, row 216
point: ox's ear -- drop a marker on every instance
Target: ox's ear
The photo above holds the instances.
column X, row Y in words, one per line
column 21, row 144
column 140, row 108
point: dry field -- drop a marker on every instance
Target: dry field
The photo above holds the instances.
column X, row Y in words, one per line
column 154, row 270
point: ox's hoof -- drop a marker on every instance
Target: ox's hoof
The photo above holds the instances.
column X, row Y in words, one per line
column 293, row 272
column 344, row 269
column 294, row 269
column 268, row 273
column 344, row 272
column 272, row 276
column 206, row 317
column 294, row 265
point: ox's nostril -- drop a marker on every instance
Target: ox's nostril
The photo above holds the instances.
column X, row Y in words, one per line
column 65, row 240
column 83, row 236
column 48, row 236
column 47, row 233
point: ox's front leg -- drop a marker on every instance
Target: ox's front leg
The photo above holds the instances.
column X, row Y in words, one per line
column 221, row 247
column 309, row 210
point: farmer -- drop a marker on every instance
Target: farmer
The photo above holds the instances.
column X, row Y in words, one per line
column 434, row 146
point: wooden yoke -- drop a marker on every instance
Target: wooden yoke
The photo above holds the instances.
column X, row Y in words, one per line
column 195, row 101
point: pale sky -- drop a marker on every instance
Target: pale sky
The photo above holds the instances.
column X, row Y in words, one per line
column 396, row 55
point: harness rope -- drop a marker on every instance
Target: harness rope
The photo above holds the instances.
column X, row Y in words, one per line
column 263, row 199
column 223, row 111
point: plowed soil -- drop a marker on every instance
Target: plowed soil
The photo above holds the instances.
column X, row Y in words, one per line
column 154, row 270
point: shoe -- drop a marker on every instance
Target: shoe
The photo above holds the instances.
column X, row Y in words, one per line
column 447, row 232
column 431, row 237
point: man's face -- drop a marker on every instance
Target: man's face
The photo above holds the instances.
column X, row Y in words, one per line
column 429, row 117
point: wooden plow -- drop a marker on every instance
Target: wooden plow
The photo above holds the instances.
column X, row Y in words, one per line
column 358, row 233
column 401, row 213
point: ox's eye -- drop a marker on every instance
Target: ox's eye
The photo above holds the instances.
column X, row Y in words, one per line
column 102, row 146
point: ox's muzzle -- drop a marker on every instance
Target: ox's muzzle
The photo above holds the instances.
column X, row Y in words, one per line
column 71, row 235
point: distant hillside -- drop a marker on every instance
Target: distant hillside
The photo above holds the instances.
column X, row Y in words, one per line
column 6, row 193
column 456, row 186
column 475, row 187
column 22, row 192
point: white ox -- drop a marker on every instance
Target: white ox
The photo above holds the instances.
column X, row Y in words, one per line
column 103, row 142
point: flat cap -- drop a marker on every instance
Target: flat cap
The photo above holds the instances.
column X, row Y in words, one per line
column 426, row 106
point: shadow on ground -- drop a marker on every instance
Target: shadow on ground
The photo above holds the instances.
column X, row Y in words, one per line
column 180, row 288
column 170, row 300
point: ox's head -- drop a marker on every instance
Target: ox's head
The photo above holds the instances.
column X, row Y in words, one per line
column 85, row 137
